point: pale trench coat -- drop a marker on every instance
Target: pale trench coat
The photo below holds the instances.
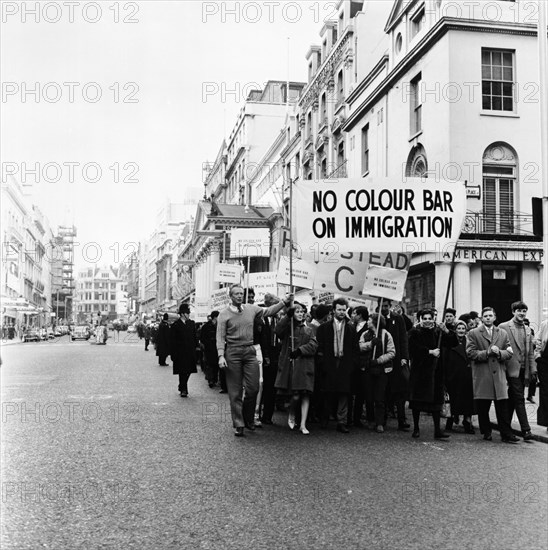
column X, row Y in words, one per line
column 488, row 373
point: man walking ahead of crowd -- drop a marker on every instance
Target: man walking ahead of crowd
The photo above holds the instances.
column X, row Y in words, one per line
column 235, row 330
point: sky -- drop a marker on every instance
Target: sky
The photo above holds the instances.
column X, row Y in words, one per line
column 119, row 107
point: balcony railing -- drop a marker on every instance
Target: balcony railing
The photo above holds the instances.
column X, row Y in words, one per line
column 508, row 226
column 339, row 172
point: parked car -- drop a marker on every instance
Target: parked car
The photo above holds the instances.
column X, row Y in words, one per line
column 43, row 333
column 31, row 335
column 80, row 332
column 50, row 333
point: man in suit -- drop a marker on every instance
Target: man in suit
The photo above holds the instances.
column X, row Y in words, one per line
column 360, row 315
column 521, row 367
column 183, row 344
column 162, row 341
column 338, row 353
column 489, row 348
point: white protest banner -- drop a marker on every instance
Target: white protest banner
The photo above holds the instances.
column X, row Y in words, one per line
column 385, row 282
column 228, row 273
column 201, row 309
column 303, row 272
column 345, row 273
column 219, row 299
column 249, row 242
column 377, row 214
column 263, row 283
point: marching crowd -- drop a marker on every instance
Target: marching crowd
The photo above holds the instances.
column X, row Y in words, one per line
column 359, row 367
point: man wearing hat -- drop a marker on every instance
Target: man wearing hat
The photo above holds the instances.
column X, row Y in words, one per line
column 238, row 355
column 183, row 343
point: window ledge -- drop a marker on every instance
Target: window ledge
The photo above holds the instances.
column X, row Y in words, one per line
column 504, row 114
column 416, row 135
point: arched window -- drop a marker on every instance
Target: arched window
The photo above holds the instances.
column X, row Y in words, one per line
column 417, row 164
column 499, row 176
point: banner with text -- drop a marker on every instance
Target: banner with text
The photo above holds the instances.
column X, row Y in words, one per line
column 385, row 282
column 228, row 273
column 377, row 215
column 263, row 283
column 202, row 309
column 219, row 299
column 250, row 242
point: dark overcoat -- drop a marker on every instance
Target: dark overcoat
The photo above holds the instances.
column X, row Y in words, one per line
column 182, row 346
column 162, row 339
column 426, row 380
column 398, row 379
column 458, row 379
column 336, row 373
column 296, row 375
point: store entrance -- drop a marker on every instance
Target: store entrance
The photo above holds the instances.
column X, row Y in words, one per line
column 501, row 286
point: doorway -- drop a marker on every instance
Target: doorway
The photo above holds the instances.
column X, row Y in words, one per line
column 501, row 286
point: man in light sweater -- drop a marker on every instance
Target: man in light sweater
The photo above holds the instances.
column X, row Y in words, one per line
column 238, row 355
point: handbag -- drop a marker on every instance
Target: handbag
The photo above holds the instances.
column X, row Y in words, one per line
column 446, row 408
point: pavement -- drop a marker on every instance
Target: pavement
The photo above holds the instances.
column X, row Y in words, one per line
column 99, row 451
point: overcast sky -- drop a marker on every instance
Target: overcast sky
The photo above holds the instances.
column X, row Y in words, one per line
column 167, row 85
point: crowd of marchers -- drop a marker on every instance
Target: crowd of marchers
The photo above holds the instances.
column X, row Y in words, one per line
column 361, row 368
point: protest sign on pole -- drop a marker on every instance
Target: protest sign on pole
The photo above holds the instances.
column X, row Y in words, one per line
column 303, row 273
column 219, row 299
column 263, row 283
column 201, row 309
column 385, row 282
column 377, row 214
column 228, row 273
column 250, row 242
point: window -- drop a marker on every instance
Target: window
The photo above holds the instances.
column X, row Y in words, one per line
column 340, row 153
column 497, row 80
column 416, row 105
column 365, row 149
column 417, row 164
column 323, row 105
column 340, row 87
column 323, row 169
column 499, row 176
column 417, row 22
column 309, row 125
column 399, row 43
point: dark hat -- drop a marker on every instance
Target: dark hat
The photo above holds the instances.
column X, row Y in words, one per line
column 184, row 308
column 451, row 310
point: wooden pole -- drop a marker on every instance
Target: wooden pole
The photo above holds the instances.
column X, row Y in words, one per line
column 290, row 219
column 378, row 325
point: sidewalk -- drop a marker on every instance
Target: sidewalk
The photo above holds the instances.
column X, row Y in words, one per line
column 539, row 432
column 16, row 340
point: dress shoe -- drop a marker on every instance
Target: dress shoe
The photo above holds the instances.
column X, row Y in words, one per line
column 527, row 436
column 223, row 391
column 441, row 435
column 510, row 439
column 531, row 400
column 379, row 429
column 404, row 424
column 343, row 429
column 250, row 427
column 291, row 422
column 184, row 394
column 239, row 432
column 488, row 437
column 416, row 434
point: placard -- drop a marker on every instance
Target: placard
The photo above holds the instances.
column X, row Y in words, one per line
column 263, row 283
column 377, row 214
column 303, row 273
column 219, row 299
column 228, row 273
column 250, row 242
column 202, row 309
column 385, row 282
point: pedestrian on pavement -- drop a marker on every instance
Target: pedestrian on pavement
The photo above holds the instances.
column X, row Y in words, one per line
column 532, row 389
column 489, row 349
column 270, row 364
column 360, row 315
column 208, row 339
column 162, row 341
column 397, row 389
column 296, row 364
column 237, row 354
column 521, row 368
column 380, row 352
column 146, row 335
column 183, row 343
column 541, row 353
column 458, row 381
column 426, row 379
column 338, row 354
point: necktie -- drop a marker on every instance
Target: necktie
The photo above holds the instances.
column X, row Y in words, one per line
column 239, row 306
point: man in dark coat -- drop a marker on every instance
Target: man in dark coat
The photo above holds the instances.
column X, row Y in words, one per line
column 397, row 390
column 183, row 343
column 162, row 341
column 338, row 353
column 360, row 315
column 208, row 338
column 146, row 336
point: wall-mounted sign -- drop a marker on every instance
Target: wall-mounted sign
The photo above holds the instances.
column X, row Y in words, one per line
column 473, row 191
column 499, row 274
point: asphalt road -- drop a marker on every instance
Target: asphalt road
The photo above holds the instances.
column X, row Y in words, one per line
column 100, row 451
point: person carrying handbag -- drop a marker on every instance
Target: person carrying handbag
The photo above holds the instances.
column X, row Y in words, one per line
column 378, row 344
